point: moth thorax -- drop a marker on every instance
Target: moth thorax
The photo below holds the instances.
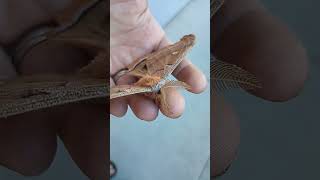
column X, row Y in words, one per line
column 148, row 81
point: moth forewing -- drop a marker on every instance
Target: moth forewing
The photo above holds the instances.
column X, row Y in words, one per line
column 126, row 90
column 163, row 62
column 37, row 96
column 225, row 76
column 155, row 68
column 178, row 52
column 176, row 84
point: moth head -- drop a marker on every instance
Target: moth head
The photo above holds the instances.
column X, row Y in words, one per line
column 189, row 39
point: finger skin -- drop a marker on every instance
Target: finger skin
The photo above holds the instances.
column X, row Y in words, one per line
column 28, row 142
column 119, row 106
column 225, row 136
column 194, row 77
column 261, row 44
column 84, row 131
column 174, row 101
column 143, row 107
column 81, row 126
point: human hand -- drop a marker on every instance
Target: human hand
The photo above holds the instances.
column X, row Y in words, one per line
column 135, row 32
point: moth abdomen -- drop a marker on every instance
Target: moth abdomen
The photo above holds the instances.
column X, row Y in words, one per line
column 148, row 81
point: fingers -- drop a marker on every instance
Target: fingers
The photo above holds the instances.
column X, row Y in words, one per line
column 188, row 73
column 28, row 142
column 118, row 107
column 84, row 131
column 172, row 103
column 225, row 137
column 191, row 75
column 143, row 107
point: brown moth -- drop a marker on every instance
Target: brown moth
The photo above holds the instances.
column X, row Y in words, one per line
column 225, row 75
column 153, row 71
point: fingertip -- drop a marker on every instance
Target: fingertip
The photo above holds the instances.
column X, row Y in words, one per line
column 118, row 107
column 143, row 107
column 193, row 77
column 175, row 103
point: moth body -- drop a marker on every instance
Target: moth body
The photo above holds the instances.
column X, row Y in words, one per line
column 148, row 81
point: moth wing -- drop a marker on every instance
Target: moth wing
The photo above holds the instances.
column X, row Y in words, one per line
column 168, row 58
column 226, row 76
column 20, row 97
column 176, row 84
column 164, row 61
column 126, row 90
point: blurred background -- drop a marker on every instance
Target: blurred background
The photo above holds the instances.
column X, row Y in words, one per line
column 281, row 140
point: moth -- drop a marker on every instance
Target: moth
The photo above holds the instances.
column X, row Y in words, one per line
column 224, row 75
column 153, row 71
